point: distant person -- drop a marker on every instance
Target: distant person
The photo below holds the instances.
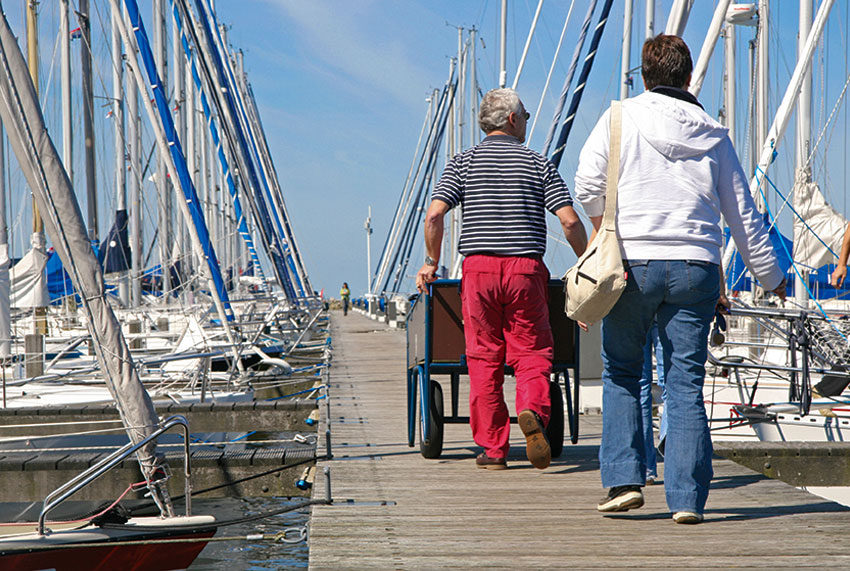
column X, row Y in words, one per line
column 345, row 295
column 504, row 189
column 678, row 174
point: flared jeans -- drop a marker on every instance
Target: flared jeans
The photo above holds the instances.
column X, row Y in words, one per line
column 681, row 295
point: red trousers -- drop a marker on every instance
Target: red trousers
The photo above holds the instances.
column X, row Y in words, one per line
column 505, row 321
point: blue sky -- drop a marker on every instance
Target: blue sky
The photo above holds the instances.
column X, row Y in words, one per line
column 342, row 89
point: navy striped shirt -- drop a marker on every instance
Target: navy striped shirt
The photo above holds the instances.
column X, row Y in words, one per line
column 503, row 188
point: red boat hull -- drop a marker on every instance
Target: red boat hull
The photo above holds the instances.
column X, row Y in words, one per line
column 148, row 557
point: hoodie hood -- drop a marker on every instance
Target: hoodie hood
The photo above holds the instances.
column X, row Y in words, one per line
column 677, row 129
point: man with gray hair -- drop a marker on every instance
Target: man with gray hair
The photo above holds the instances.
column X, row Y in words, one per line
column 504, row 189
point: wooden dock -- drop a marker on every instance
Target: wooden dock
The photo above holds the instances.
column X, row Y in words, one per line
column 393, row 509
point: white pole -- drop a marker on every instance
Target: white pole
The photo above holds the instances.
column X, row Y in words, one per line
column 650, row 19
column 804, row 134
column 730, row 70
column 65, row 66
column 369, row 252
column 708, row 44
column 762, row 54
column 528, row 43
column 473, row 92
column 678, row 17
column 503, row 53
column 134, row 185
column 120, row 165
column 625, row 59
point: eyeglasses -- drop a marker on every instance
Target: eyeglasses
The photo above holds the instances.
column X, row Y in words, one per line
column 525, row 114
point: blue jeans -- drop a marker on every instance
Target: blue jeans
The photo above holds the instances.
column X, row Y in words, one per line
column 681, row 296
column 652, row 345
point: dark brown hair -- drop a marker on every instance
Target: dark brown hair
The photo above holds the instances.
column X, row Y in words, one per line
column 666, row 60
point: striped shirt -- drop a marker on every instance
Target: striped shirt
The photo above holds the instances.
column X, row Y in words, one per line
column 503, row 188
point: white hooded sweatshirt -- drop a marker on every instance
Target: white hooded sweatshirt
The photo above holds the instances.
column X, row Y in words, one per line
column 678, row 173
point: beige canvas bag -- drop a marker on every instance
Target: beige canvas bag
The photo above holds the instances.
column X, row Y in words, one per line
column 594, row 284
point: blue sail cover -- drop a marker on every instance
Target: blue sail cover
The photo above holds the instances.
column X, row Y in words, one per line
column 114, row 255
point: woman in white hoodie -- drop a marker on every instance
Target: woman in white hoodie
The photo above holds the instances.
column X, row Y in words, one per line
column 678, row 174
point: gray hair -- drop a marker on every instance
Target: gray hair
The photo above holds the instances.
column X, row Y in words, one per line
column 496, row 106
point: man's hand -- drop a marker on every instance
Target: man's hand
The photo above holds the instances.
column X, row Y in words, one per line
column 838, row 275
column 723, row 304
column 780, row 289
column 427, row 274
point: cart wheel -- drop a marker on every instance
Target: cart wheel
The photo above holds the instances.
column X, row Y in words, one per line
column 433, row 447
column 555, row 430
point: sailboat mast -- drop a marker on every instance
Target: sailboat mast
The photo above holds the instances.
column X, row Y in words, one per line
column 182, row 109
column 135, row 183
column 729, row 106
column 503, row 50
column 161, row 177
column 120, row 170
column 804, row 135
column 762, row 80
column 65, row 67
column 650, row 19
column 625, row 60
column 38, row 243
column 88, row 119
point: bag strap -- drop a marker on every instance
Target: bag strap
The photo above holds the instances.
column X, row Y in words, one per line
column 609, row 218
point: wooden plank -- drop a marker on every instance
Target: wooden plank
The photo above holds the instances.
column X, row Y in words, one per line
column 394, row 509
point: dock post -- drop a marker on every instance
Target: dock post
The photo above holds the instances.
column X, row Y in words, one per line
column 34, row 351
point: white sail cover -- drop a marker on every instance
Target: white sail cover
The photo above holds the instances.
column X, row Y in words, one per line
column 63, row 221
column 825, row 227
column 28, row 285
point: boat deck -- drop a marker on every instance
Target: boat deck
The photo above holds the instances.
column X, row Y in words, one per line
column 394, row 509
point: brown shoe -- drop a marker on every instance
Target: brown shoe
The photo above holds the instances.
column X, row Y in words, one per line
column 536, row 444
column 487, row 463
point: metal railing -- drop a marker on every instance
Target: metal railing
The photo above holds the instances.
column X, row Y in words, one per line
column 82, row 480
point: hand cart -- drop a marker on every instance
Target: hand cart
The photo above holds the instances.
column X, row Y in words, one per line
column 436, row 346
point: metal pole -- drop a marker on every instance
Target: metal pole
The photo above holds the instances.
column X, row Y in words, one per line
column 39, row 242
column 729, row 76
column 120, row 165
column 161, row 178
column 65, row 67
column 678, row 17
column 650, row 19
column 708, row 46
column 804, row 135
column 503, row 53
column 625, row 60
column 369, row 252
column 88, row 119
column 134, row 184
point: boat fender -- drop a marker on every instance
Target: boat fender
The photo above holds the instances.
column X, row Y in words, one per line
column 305, row 482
